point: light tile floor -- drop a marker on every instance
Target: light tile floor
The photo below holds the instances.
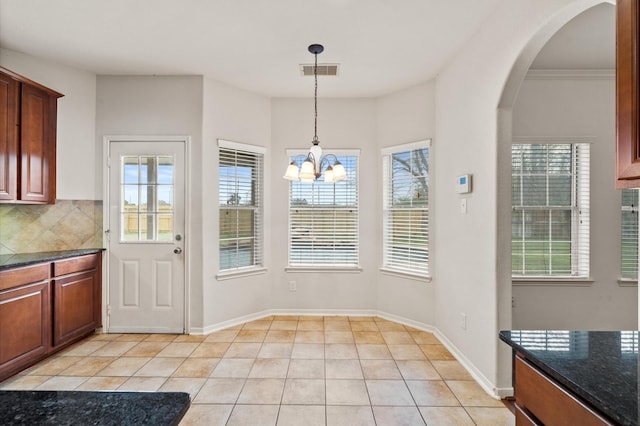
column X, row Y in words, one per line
column 284, row 370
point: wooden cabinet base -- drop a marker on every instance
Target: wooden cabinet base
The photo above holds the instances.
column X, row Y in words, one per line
column 47, row 307
column 76, row 307
column 25, row 326
column 540, row 401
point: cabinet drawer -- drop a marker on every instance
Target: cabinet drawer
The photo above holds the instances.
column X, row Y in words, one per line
column 26, row 275
column 76, row 264
column 540, row 398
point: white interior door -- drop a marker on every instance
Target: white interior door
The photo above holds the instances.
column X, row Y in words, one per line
column 146, row 190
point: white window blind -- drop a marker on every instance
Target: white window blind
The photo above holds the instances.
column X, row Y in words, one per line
column 629, row 235
column 550, row 214
column 549, row 341
column 241, row 205
column 574, row 344
column 629, row 342
column 323, row 219
column 406, row 208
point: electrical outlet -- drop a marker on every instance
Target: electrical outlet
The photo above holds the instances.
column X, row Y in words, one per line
column 463, row 321
column 292, row 286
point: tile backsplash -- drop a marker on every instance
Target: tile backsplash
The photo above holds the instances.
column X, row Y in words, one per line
column 65, row 225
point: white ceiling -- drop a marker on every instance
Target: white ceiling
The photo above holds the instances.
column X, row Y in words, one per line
column 381, row 45
column 588, row 41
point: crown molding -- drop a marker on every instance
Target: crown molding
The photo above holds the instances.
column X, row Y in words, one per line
column 596, row 74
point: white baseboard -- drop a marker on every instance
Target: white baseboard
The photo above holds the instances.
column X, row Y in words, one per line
column 483, row 381
column 138, row 330
column 405, row 321
column 505, row 392
column 325, row 312
column 486, row 384
column 229, row 323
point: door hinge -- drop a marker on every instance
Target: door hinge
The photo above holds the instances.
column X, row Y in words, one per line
column 108, row 310
column 109, row 162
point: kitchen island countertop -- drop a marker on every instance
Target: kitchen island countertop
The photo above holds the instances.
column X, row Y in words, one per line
column 599, row 367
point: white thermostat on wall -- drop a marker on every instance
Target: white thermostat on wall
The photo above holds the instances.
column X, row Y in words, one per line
column 463, row 184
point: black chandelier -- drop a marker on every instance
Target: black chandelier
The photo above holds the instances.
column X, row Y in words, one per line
column 314, row 163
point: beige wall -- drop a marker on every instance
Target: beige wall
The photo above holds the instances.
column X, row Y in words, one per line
column 459, row 111
column 78, row 171
column 582, row 105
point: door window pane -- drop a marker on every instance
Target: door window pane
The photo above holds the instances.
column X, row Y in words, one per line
column 147, row 197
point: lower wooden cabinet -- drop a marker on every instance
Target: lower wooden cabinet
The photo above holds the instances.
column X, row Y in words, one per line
column 45, row 307
column 523, row 418
column 76, row 298
column 541, row 401
column 25, row 326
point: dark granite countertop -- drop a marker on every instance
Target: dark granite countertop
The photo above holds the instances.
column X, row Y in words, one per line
column 92, row 408
column 600, row 367
column 23, row 259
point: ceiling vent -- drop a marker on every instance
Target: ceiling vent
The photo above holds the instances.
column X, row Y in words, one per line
column 323, row 69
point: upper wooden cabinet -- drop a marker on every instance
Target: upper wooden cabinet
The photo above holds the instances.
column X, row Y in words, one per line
column 28, row 117
column 628, row 144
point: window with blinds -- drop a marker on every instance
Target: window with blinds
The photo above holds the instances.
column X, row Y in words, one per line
column 406, row 208
column 241, row 205
column 550, row 213
column 323, row 219
column 629, row 235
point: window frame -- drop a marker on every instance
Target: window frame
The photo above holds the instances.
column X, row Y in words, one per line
column 580, row 220
column 326, row 267
column 258, row 209
column 625, row 279
column 388, row 267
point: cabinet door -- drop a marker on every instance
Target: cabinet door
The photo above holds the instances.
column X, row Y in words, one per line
column 8, row 137
column 25, row 324
column 37, row 145
column 627, row 107
column 75, row 312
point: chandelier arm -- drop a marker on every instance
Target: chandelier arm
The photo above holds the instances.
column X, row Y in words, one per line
column 335, row 159
column 324, row 162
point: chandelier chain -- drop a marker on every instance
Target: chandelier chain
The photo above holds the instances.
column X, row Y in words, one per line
column 315, row 98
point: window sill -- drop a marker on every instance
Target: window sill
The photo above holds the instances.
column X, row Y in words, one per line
column 553, row 281
column 348, row 269
column 229, row 275
column 404, row 274
column 627, row 282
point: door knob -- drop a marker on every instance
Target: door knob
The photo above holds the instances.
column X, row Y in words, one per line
column 177, row 250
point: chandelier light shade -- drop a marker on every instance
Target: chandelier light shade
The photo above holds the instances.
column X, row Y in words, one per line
column 312, row 166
